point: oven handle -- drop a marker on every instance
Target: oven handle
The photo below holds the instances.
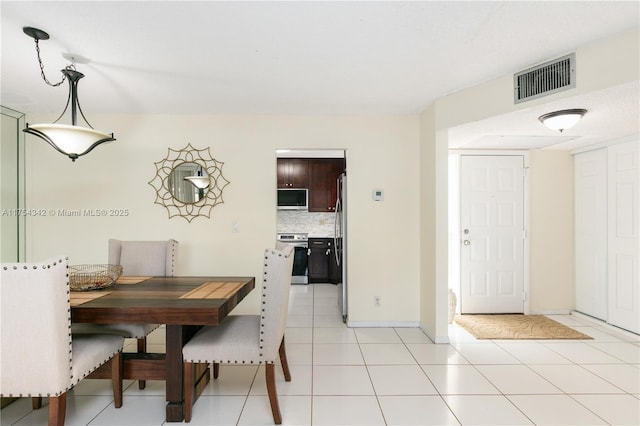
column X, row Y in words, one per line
column 303, row 244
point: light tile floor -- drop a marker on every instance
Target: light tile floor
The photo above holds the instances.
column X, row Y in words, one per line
column 393, row 376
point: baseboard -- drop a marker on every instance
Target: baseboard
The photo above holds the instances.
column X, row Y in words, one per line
column 551, row 312
column 442, row 340
column 372, row 324
column 397, row 324
column 606, row 325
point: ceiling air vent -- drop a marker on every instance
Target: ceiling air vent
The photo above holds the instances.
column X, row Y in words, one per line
column 545, row 79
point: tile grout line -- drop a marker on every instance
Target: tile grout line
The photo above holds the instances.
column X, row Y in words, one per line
column 562, row 392
column 444, row 401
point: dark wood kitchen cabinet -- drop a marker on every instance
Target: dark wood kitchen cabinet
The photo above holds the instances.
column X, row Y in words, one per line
column 319, row 251
column 293, row 173
column 322, row 262
column 335, row 270
column 323, row 175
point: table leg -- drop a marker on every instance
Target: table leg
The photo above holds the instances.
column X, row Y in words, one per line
column 176, row 337
column 174, row 382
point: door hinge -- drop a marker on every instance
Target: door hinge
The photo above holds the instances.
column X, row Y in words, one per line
column 524, row 296
column 524, row 234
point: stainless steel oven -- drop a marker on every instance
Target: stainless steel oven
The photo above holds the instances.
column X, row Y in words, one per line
column 300, row 242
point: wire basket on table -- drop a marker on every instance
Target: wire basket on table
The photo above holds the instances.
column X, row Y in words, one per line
column 93, row 277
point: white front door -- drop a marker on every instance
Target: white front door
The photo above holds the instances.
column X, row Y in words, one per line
column 624, row 251
column 492, row 234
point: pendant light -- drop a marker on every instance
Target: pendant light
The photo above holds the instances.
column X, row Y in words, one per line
column 198, row 180
column 562, row 120
column 70, row 140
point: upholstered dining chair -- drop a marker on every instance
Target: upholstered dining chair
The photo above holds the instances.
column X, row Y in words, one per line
column 138, row 258
column 144, row 258
column 39, row 356
column 248, row 339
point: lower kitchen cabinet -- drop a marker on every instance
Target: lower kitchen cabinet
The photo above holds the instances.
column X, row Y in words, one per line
column 319, row 260
column 322, row 262
column 335, row 271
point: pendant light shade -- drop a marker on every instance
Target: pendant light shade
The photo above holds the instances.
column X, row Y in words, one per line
column 200, row 182
column 562, row 120
column 71, row 140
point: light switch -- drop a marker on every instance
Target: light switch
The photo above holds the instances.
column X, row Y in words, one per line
column 235, row 227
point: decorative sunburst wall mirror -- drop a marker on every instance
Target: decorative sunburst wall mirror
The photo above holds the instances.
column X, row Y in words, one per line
column 189, row 182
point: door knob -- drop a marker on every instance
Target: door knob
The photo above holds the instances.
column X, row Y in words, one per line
column 466, row 242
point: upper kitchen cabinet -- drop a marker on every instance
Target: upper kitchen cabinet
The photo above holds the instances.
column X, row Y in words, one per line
column 323, row 176
column 293, row 173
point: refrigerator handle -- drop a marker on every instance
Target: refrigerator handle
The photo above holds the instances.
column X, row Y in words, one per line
column 337, row 229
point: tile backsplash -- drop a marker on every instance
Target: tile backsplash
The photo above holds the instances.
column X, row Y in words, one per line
column 314, row 224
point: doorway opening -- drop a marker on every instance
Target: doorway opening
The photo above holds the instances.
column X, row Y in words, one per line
column 12, row 176
column 311, row 188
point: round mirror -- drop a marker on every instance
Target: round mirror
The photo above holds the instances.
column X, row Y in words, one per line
column 188, row 182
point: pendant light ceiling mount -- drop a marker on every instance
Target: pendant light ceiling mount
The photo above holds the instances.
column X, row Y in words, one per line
column 35, row 33
column 70, row 140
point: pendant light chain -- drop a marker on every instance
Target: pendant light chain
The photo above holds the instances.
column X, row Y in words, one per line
column 42, row 68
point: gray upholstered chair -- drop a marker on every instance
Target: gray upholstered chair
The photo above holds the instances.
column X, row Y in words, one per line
column 39, row 357
column 138, row 258
column 248, row 339
column 144, row 258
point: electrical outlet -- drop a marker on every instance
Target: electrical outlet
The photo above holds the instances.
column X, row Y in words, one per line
column 376, row 300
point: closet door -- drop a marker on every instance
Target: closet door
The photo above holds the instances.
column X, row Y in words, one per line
column 624, row 191
column 590, row 204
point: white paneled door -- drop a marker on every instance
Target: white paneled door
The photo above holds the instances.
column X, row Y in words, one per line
column 624, row 191
column 590, row 201
column 492, row 234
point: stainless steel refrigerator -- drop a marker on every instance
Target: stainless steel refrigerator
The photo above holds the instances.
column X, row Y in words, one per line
column 340, row 242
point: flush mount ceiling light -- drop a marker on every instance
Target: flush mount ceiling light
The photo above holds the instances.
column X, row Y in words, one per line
column 70, row 140
column 562, row 120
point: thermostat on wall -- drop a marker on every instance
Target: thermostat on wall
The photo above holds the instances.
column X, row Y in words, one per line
column 378, row 195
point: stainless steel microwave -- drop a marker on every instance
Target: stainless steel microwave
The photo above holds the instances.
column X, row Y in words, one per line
column 293, row 199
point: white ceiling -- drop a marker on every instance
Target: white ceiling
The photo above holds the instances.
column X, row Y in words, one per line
column 294, row 57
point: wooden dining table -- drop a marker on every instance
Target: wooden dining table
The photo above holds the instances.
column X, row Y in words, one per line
column 183, row 304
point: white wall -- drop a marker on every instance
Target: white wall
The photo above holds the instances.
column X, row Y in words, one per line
column 551, row 232
column 382, row 152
